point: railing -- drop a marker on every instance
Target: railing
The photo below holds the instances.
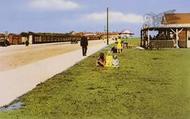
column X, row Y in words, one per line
column 161, row 44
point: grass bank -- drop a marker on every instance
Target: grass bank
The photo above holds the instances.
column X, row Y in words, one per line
column 148, row 85
column 133, row 41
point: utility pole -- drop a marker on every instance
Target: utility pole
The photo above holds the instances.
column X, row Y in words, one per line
column 107, row 26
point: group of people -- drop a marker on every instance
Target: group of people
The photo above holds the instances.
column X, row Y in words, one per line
column 107, row 60
column 110, row 59
column 119, row 45
column 117, row 48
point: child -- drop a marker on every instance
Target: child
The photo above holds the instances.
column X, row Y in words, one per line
column 115, row 62
column 114, row 49
column 109, row 59
column 101, row 60
column 119, row 45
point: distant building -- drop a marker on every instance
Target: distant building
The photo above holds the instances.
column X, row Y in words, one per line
column 14, row 39
column 173, row 32
column 126, row 34
column 38, row 38
column 4, row 40
column 111, row 35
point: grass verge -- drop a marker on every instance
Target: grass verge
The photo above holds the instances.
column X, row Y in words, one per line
column 148, row 85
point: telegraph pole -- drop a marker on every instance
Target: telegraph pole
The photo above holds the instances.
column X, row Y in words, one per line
column 107, row 26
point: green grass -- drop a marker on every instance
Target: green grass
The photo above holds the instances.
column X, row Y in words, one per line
column 148, row 85
column 133, row 41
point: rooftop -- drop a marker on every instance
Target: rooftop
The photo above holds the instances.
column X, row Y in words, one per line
column 177, row 18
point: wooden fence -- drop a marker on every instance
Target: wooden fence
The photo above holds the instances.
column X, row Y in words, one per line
column 161, row 44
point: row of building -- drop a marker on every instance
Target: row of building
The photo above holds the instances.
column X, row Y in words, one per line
column 36, row 38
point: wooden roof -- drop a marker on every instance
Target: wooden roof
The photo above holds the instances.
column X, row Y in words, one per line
column 177, row 18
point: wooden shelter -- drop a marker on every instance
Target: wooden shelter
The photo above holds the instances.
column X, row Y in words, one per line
column 173, row 32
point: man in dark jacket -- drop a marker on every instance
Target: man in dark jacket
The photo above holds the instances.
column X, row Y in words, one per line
column 84, row 44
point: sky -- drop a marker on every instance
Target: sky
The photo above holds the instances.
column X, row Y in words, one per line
column 81, row 15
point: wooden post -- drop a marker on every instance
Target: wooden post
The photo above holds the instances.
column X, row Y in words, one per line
column 141, row 39
column 148, row 43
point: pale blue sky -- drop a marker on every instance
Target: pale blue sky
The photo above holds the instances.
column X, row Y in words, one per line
column 80, row 15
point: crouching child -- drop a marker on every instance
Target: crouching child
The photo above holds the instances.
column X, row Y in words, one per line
column 115, row 62
column 101, row 61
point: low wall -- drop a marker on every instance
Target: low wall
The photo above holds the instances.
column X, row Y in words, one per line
column 161, row 44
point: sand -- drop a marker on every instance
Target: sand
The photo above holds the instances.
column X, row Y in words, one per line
column 15, row 56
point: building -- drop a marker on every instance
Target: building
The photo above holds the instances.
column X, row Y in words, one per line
column 4, row 40
column 14, row 39
column 73, row 37
column 173, row 32
column 38, row 38
column 111, row 35
column 126, row 34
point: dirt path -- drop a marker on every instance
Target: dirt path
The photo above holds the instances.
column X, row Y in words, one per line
column 15, row 56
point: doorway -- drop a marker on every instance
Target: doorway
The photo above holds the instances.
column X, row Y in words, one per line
column 188, row 39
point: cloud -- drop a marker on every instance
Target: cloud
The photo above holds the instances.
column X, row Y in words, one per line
column 55, row 5
column 115, row 17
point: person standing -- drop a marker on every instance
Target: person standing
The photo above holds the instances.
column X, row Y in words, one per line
column 27, row 42
column 119, row 45
column 84, row 45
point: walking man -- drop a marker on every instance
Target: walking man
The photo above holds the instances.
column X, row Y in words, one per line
column 84, row 44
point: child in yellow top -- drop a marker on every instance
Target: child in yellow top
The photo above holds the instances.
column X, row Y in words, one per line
column 109, row 59
column 119, row 45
